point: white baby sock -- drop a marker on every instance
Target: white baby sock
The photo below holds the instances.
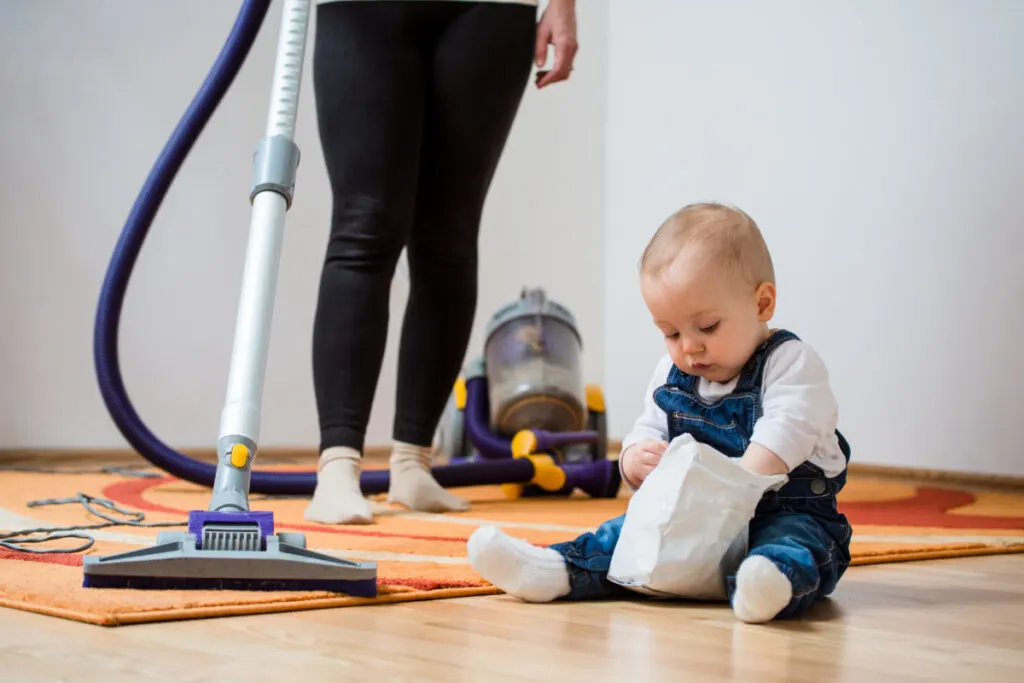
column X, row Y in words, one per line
column 762, row 590
column 338, row 498
column 412, row 484
column 520, row 569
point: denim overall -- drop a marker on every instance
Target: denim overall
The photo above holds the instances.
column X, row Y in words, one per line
column 797, row 527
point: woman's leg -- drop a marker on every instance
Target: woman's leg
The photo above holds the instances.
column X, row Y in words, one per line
column 481, row 64
column 370, row 77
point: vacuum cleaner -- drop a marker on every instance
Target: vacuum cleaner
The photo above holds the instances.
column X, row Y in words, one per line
column 228, row 545
column 525, row 397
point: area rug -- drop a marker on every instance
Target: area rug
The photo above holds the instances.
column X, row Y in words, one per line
column 422, row 556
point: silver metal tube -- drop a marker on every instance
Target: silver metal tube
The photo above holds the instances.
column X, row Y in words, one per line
column 291, row 50
column 240, row 419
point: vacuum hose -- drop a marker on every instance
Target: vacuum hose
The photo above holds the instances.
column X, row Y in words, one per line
column 126, row 251
column 596, row 478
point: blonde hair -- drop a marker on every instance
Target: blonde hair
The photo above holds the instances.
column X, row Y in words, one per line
column 728, row 235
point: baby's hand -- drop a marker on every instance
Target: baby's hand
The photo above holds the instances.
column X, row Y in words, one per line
column 642, row 457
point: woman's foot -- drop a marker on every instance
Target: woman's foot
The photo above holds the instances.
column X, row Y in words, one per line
column 338, row 498
column 762, row 590
column 522, row 570
column 412, row 484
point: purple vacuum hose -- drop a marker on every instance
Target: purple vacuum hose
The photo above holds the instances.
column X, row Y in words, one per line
column 598, row 479
column 478, row 420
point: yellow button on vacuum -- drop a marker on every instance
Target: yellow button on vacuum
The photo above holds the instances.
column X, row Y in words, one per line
column 460, row 393
column 239, row 455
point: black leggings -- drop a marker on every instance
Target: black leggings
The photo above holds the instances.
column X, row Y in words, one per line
column 414, row 101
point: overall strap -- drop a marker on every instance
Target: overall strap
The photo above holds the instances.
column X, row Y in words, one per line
column 678, row 378
column 753, row 371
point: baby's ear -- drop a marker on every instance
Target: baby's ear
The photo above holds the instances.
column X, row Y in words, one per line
column 765, row 301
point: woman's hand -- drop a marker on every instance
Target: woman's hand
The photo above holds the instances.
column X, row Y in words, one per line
column 557, row 27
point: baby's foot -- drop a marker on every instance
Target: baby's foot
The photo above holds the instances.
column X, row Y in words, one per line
column 520, row 569
column 338, row 498
column 762, row 590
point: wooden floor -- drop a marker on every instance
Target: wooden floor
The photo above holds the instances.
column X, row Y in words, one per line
column 952, row 620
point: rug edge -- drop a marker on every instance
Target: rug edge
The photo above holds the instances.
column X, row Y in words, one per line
column 253, row 609
column 944, row 552
column 111, row 619
column 60, row 613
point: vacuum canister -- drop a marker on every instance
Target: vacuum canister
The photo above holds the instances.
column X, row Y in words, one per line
column 532, row 354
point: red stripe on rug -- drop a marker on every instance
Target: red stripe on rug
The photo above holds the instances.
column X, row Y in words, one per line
column 66, row 559
column 131, row 493
column 928, row 507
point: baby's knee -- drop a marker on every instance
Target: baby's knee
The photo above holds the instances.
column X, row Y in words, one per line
column 789, row 553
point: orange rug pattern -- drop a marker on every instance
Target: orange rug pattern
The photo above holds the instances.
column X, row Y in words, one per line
column 422, row 556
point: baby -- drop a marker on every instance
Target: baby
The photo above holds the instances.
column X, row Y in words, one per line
column 754, row 393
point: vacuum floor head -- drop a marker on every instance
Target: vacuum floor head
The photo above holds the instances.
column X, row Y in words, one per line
column 230, row 551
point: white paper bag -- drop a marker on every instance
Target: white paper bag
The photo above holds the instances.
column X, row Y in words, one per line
column 686, row 527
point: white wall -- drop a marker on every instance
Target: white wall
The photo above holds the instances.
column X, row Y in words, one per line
column 99, row 88
column 880, row 146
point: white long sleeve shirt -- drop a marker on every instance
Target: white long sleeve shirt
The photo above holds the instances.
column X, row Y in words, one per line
column 800, row 413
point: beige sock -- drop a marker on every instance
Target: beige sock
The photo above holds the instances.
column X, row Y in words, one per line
column 412, row 484
column 338, row 498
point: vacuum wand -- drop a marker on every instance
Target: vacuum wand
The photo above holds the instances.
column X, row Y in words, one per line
column 275, row 164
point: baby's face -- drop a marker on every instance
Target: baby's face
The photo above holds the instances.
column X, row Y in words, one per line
column 712, row 319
